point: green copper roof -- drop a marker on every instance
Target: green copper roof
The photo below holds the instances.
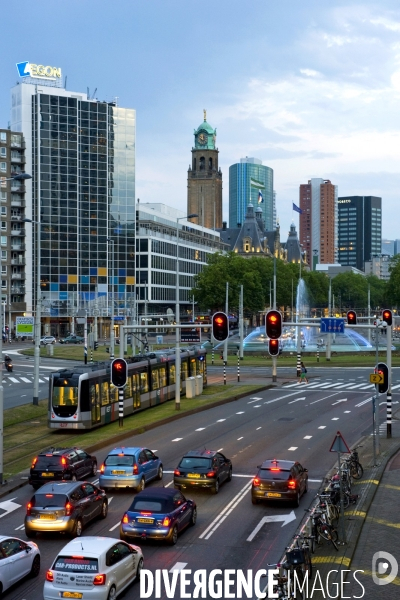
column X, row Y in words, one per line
column 204, row 126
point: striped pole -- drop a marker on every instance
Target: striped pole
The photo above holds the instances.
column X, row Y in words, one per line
column 121, row 406
column 389, row 415
column 299, row 364
column 318, row 355
column 238, row 357
column 212, row 355
column 224, row 373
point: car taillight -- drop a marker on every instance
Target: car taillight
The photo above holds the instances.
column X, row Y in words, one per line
column 34, row 462
column 256, row 481
column 177, row 472
column 99, row 580
column 125, row 518
column 68, row 509
column 291, row 484
column 135, row 469
column 166, row 522
column 102, row 469
column 50, row 576
column 211, row 474
column 28, row 508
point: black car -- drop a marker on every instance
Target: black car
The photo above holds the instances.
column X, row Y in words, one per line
column 203, row 468
column 64, row 507
column 158, row 513
column 279, row 480
column 61, row 463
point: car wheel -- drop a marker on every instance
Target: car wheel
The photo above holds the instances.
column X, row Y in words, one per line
column 230, row 475
column 139, row 569
column 141, row 485
column 29, row 533
column 174, row 536
column 94, row 469
column 35, row 569
column 254, row 500
column 216, row 487
column 73, row 477
column 297, row 500
column 104, row 510
column 193, row 518
column 160, row 472
column 77, row 531
column 112, row 594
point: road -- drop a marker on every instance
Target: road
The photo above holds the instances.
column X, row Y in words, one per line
column 295, row 421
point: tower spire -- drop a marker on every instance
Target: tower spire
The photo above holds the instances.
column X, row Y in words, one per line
column 205, row 114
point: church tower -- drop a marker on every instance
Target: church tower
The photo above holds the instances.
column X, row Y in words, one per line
column 205, row 179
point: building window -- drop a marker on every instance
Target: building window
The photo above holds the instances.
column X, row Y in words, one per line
column 3, row 196
column 3, row 240
column 4, row 255
column 4, row 210
column 15, row 140
column 3, row 151
column 3, row 167
column 4, row 225
column 4, row 283
column 4, row 269
column 3, row 136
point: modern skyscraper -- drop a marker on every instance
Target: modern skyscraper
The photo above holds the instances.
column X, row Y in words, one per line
column 251, row 182
column 360, row 229
column 81, row 155
column 318, row 221
column 205, row 179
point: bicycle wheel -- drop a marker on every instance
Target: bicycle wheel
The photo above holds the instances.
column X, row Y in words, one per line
column 335, row 512
column 356, row 470
column 308, row 567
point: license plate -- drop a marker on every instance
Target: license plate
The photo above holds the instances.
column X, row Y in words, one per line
column 194, row 475
column 47, row 474
column 145, row 520
column 71, row 595
column 273, row 495
column 117, row 472
column 48, row 516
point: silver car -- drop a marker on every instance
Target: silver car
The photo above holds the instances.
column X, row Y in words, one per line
column 18, row 559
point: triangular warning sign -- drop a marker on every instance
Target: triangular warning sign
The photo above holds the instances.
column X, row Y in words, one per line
column 339, row 445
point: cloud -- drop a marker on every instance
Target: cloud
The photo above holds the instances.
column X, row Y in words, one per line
column 309, row 72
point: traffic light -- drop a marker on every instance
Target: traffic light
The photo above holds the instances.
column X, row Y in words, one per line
column 95, row 345
column 351, row 317
column 220, row 326
column 119, row 370
column 273, row 347
column 382, row 369
column 273, row 324
column 387, row 316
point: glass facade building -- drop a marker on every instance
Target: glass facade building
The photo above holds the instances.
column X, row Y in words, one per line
column 81, row 155
column 247, row 180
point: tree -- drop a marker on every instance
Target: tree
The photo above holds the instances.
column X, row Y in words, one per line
column 393, row 285
column 352, row 289
column 318, row 288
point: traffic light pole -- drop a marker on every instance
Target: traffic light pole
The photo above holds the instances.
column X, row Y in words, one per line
column 389, row 390
column 274, row 358
column 375, row 401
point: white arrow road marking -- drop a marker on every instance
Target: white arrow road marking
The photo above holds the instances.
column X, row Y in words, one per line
column 225, row 512
column 338, row 401
column 272, row 519
column 297, row 400
column 254, row 399
column 282, row 397
column 178, row 567
column 9, row 506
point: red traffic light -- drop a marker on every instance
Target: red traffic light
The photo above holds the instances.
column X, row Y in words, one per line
column 273, row 347
column 220, row 326
column 119, row 372
column 387, row 317
column 273, row 324
column 351, row 317
column 383, row 370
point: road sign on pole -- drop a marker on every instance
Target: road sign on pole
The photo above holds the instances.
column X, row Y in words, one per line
column 332, row 325
column 339, row 445
column 376, row 378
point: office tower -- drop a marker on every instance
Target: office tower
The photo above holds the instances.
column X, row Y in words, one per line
column 318, row 221
column 360, row 229
column 81, row 155
column 205, row 179
column 396, row 247
column 251, row 182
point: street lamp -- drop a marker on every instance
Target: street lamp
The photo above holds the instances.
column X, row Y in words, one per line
column 112, row 337
column 177, row 311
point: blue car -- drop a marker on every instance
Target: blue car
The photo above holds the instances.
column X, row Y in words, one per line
column 130, row 468
column 159, row 514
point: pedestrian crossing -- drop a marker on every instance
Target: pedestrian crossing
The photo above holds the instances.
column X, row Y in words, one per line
column 329, row 385
column 21, row 379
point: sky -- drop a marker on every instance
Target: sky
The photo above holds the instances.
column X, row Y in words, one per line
column 311, row 88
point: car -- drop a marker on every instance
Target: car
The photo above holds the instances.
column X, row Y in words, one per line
column 65, row 507
column 72, row 339
column 203, row 469
column 130, row 467
column 94, row 568
column 158, row 513
column 18, row 559
column 48, row 339
column 61, row 463
column 279, row 480
column 128, row 340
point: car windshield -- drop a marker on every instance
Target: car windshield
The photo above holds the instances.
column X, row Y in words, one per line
column 44, row 462
column 76, row 564
column 270, row 474
column 114, row 460
column 189, row 462
column 161, row 505
column 48, row 500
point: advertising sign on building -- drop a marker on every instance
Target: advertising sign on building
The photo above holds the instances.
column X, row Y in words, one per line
column 24, row 326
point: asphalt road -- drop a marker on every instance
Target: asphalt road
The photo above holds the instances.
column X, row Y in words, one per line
column 296, row 422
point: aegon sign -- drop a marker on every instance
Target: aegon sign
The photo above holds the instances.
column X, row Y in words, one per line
column 344, row 201
column 27, row 69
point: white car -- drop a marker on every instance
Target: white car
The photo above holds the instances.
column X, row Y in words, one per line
column 17, row 559
column 91, row 567
column 48, row 339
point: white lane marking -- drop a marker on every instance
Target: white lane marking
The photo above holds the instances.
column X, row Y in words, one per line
column 257, row 406
column 367, row 387
column 177, row 440
column 335, row 419
column 13, row 379
column 168, row 484
column 394, row 387
column 254, row 399
column 220, row 450
column 358, row 385
column 291, row 385
column 115, row 526
column 324, row 398
column 9, row 506
column 200, row 429
column 26, row 380
column 307, row 437
column 240, row 413
column 247, row 476
column 338, row 401
column 240, row 438
column 282, row 397
column 272, row 519
column 179, row 566
column 258, row 428
column 154, row 451
column 347, row 411
column 315, row 480
column 225, row 512
column 292, row 448
column 20, row 527
column 363, row 402
column 297, row 400
column 109, row 500
column 221, row 420
column 322, row 427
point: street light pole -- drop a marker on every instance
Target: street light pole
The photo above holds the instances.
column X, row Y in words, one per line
column 177, row 319
column 112, row 337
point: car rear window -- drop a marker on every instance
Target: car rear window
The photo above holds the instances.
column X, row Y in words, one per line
column 161, row 505
column 189, row 462
column 269, row 474
column 114, row 460
column 48, row 461
column 76, row 564
column 48, row 500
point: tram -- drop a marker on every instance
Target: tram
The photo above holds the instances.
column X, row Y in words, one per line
column 83, row 397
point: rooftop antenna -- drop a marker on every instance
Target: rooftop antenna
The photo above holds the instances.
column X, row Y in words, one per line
column 88, row 93
column 65, row 82
column 93, row 95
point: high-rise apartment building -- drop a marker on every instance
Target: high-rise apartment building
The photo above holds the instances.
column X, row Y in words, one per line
column 251, row 182
column 81, row 155
column 360, row 229
column 318, row 221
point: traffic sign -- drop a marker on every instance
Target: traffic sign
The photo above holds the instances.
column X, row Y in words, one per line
column 332, row 325
column 376, row 378
column 339, row 445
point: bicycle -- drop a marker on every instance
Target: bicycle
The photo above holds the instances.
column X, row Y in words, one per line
column 281, row 588
column 321, row 529
column 328, row 507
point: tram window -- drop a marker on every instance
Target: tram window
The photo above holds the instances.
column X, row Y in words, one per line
column 113, row 394
column 104, row 393
column 193, row 369
column 171, row 374
column 163, row 376
column 65, row 396
column 155, row 379
column 144, row 383
column 128, row 387
column 85, row 399
column 184, row 370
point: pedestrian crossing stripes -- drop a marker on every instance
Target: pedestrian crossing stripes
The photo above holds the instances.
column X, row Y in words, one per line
column 320, row 385
column 24, row 379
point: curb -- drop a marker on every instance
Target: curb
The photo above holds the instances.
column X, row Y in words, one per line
column 12, row 487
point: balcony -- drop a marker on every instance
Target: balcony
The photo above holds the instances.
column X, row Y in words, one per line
column 18, row 261
column 18, row 289
column 20, row 276
column 18, row 232
column 19, row 189
column 16, row 157
column 16, row 245
column 16, row 217
column 17, row 202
